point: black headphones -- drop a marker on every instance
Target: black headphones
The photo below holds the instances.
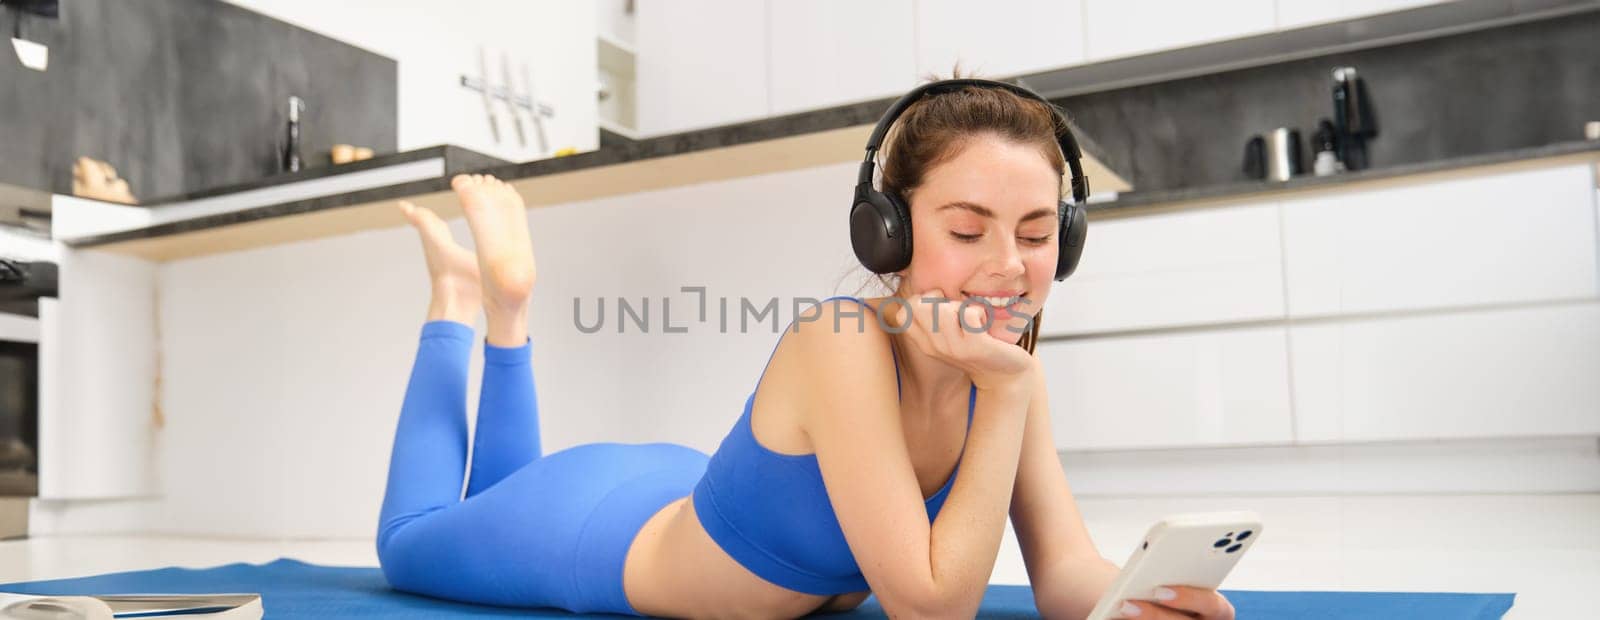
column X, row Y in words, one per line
column 880, row 222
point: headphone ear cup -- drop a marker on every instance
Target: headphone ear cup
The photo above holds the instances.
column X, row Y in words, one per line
column 902, row 218
column 1074, row 230
column 880, row 233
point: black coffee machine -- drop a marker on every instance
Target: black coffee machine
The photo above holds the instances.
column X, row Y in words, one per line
column 1353, row 122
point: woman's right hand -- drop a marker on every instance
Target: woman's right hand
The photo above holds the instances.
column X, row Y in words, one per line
column 991, row 363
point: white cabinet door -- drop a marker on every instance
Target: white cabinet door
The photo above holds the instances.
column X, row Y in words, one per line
column 1297, row 13
column 701, row 63
column 98, row 425
column 1508, row 237
column 999, row 39
column 1520, row 372
column 1224, row 387
column 1186, row 268
column 831, row 52
column 1128, row 27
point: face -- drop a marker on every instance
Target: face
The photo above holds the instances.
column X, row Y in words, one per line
column 985, row 224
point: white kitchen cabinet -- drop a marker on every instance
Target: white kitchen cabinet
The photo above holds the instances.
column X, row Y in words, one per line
column 1178, row 269
column 832, row 52
column 1506, row 237
column 1503, row 373
column 1223, row 387
column 1000, row 39
column 700, row 63
column 1298, row 13
column 1129, row 27
column 98, row 425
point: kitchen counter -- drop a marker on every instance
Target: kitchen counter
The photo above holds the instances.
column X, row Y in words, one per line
column 1138, row 203
column 456, row 159
column 791, row 142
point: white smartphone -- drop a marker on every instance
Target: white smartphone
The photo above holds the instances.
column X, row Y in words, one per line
column 1194, row 550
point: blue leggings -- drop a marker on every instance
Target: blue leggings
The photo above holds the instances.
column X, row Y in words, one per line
column 533, row 531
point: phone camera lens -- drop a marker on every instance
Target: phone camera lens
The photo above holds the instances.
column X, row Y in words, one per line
column 1234, row 548
column 1243, row 535
column 1221, row 543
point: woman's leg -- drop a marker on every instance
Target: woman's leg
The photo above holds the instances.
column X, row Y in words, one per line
column 430, row 440
column 510, row 547
column 552, row 533
column 507, row 435
column 427, row 461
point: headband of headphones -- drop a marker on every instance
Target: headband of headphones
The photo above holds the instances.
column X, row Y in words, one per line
column 1069, row 143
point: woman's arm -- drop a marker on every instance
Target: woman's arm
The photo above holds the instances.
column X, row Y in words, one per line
column 1067, row 573
column 966, row 536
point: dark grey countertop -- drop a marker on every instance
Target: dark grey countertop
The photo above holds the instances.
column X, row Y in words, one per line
column 456, row 159
column 1136, row 199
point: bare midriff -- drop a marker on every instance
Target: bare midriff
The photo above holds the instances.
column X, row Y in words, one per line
column 674, row 569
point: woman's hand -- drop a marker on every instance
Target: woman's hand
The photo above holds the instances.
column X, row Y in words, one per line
column 1180, row 602
column 991, row 363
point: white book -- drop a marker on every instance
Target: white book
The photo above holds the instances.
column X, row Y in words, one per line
column 107, row 607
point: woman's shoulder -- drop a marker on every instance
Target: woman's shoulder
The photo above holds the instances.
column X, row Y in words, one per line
column 818, row 367
column 844, row 321
column 840, row 333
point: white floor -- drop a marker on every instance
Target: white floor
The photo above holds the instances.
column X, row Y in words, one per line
column 1545, row 548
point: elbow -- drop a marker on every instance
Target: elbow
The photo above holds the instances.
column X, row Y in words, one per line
column 951, row 605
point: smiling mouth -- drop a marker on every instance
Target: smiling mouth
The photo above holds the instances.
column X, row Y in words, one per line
column 1008, row 303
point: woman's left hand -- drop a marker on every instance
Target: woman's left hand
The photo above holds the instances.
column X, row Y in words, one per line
column 1180, row 602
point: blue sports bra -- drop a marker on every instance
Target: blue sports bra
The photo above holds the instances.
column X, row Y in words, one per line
column 770, row 512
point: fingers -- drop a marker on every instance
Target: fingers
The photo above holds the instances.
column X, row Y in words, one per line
column 924, row 321
column 1208, row 604
column 1145, row 610
column 1187, row 602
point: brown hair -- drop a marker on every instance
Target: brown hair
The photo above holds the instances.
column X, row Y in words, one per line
column 935, row 128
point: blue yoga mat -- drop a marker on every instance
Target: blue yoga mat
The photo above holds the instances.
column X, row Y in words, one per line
column 295, row 589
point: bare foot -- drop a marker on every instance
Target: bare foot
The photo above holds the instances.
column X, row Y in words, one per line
column 452, row 269
column 499, row 222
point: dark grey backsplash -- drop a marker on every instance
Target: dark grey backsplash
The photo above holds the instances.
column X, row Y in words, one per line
column 1479, row 92
column 183, row 95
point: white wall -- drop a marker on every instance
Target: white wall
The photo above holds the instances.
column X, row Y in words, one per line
column 434, row 43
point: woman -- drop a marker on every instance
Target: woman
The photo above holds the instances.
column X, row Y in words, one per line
column 880, row 457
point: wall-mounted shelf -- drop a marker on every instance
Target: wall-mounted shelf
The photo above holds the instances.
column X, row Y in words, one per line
column 617, row 100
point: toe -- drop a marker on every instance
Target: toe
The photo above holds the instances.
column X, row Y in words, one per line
column 460, row 181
